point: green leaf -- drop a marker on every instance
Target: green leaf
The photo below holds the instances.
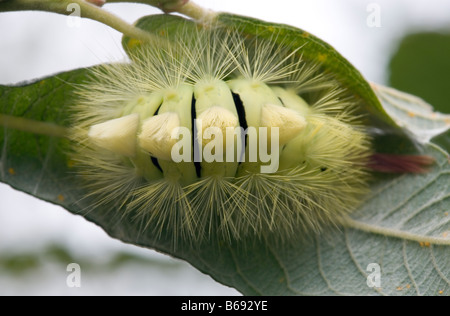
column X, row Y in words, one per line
column 413, row 113
column 421, row 66
column 31, row 160
column 413, row 208
column 403, row 227
column 336, row 263
column 317, row 51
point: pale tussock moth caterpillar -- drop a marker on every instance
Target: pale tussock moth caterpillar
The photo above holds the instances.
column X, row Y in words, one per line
column 237, row 97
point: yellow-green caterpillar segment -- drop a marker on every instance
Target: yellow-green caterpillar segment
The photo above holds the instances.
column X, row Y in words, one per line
column 213, row 134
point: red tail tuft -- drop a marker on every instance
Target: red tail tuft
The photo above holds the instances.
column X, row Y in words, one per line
column 390, row 163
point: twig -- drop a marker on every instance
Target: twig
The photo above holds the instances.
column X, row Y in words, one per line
column 87, row 10
column 185, row 7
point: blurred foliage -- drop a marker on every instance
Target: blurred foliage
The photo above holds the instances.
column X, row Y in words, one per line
column 19, row 264
column 421, row 66
column 443, row 141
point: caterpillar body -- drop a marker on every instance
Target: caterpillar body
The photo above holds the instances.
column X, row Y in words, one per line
column 217, row 135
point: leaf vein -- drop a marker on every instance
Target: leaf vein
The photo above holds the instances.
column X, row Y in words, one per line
column 408, row 199
column 358, row 266
column 408, row 269
column 286, row 273
column 241, row 274
column 438, row 270
column 322, row 272
column 420, row 210
column 389, row 232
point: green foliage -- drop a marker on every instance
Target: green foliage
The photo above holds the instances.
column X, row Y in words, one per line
column 421, row 66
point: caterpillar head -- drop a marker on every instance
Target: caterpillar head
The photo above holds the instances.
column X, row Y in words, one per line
column 215, row 135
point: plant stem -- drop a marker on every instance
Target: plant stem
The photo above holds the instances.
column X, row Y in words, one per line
column 92, row 11
column 197, row 13
column 87, row 10
column 185, row 7
column 164, row 5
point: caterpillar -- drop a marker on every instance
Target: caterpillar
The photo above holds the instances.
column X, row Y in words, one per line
column 216, row 135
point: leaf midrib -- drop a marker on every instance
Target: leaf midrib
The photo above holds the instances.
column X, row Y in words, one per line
column 32, row 126
column 395, row 233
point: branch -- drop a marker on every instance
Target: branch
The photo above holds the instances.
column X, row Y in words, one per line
column 87, row 10
column 91, row 9
column 185, row 7
column 165, row 5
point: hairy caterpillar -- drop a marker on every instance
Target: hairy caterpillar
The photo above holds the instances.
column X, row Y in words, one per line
column 216, row 135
